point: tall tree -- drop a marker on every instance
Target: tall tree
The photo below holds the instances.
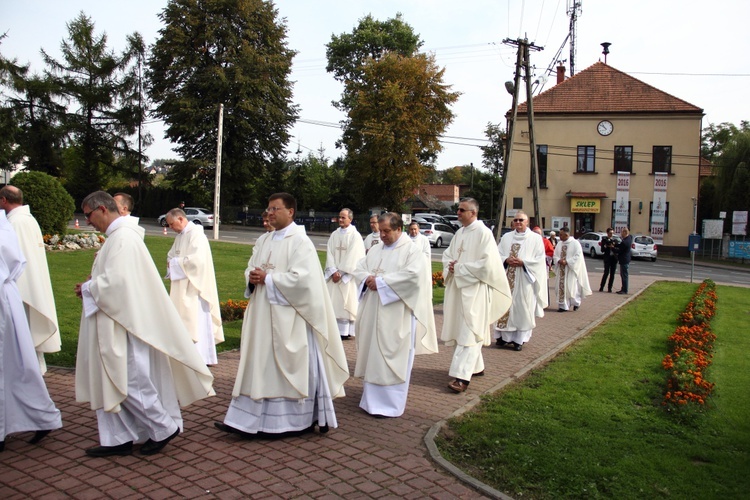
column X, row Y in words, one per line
column 89, row 80
column 401, row 108
column 492, row 154
column 371, row 39
column 235, row 53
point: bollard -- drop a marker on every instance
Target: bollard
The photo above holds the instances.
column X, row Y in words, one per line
column 77, row 225
column 165, row 231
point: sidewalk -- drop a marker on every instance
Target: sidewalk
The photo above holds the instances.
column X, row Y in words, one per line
column 363, row 457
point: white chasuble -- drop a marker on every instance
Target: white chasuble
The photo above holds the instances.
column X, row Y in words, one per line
column 571, row 280
column 477, row 292
column 192, row 253
column 35, row 285
column 130, row 299
column 345, row 250
column 275, row 348
column 528, row 283
column 384, row 321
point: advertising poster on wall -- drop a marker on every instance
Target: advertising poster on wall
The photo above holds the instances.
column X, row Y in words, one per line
column 622, row 201
column 659, row 208
column 739, row 223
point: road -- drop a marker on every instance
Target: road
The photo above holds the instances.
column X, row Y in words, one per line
column 662, row 268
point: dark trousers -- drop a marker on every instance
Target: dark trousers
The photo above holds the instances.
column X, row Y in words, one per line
column 610, row 267
column 624, row 277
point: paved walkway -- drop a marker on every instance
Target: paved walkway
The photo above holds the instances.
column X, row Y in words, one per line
column 363, row 457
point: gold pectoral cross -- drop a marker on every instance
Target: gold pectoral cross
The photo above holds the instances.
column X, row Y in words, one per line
column 460, row 251
column 340, row 248
column 377, row 271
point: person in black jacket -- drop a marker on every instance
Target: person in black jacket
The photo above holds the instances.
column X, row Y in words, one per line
column 623, row 257
column 610, row 259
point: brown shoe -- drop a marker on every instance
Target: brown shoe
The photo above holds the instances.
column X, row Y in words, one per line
column 480, row 374
column 458, row 386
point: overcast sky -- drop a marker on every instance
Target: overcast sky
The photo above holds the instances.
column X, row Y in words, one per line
column 694, row 50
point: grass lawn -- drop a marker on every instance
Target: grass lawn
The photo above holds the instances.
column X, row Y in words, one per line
column 230, row 261
column 590, row 423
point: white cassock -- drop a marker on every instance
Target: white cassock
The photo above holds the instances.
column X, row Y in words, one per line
column 292, row 362
column 423, row 244
column 572, row 280
column 476, row 296
column 35, row 285
column 371, row 240
column 345, row 250
column 25, row 404
column 392, row 324
column 528, row 285
column 193, row 291
column 135, row 363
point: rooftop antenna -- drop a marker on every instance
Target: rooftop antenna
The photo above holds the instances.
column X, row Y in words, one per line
column 606, row 50
column 574, row 10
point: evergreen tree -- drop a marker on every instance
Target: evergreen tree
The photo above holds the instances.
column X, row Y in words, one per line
column 213, row 52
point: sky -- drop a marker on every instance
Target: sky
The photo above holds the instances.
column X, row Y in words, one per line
column 691, row 49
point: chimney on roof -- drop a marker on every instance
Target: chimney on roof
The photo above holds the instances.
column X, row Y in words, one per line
column 560, row 73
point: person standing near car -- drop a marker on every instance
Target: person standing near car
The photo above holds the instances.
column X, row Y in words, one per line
column 609, row 255
column 476, row 294
column 345, row 249
column 194, row 294
column 624, row 254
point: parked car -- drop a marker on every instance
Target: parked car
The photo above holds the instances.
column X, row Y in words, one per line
column 453, row 221
column 196, row 215
column 437, row 233
column 592, row 243
column 644, row 246
column 432, row 218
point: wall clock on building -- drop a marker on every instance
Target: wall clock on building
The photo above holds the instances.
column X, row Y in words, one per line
column 605, row 127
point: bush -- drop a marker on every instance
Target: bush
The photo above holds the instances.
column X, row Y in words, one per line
column 49, row 202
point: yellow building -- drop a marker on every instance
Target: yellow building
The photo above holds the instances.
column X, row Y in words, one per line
column 588, row 128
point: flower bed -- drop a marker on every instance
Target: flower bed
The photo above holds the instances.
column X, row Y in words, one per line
column 692, row 346
column 76, row 241
column 232, row 310
column 437, row 280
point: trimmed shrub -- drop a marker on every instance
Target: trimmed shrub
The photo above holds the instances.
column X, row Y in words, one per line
column 49, row 202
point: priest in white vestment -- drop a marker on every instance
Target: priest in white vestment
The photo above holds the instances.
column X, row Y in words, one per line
column 292, row 362
column 345, row 250
column 423, row 244
column 571, row 276
column 373, row 238
column 135, row 364
column 476, row 294
column 190, row 266
column 25, row 404
column 393, row 322
column 34, row 284
column 522, row 253
column 125, row 205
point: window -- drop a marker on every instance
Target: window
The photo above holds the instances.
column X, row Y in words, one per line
column 624, row 159
column 651, row 216
column 662, row 159
column 541, row 158
column 517, row 203
column 586, row 159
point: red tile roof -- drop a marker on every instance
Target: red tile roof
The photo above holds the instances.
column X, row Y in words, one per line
column 705, row 168
column 603, row 89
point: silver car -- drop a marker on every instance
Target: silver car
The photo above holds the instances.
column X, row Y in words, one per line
column 437, row 233
column 643, row 246
column 196, row 215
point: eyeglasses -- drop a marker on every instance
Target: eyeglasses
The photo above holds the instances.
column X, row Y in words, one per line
column 464, row 210
column 88, row 215
column 519, row 220
column 273, row 210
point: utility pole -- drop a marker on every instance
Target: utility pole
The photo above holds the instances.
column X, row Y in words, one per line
column 217, row 186
column 522, row 62
column 574, row 10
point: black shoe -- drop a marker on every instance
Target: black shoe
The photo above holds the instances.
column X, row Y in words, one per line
column 110, row 451
column 561, row 310
column 38, row 436
column 346, row 337
column 500, row 342
column 480, row 374
column 575, row 308
column 621, row 293
column 517, row 347
column 151, row 447
column 610, row 290
column 231, row 430
column 601, row 289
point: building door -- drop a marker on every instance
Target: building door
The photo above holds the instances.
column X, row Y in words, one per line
column 583, row 224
